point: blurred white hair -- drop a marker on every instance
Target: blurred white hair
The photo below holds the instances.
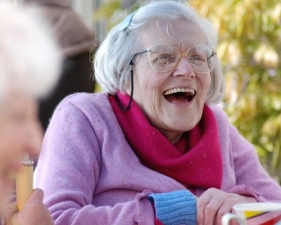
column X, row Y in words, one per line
column 112, row 69
column 30, row 59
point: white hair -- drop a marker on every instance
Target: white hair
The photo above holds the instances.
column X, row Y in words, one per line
column 112, row 69
column 30, row 60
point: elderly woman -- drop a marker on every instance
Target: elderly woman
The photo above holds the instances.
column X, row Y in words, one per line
column 154, row 148
column 29, row 67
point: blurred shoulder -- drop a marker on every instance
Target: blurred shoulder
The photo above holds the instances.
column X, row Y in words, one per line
column 82, row 98
column 88, row 103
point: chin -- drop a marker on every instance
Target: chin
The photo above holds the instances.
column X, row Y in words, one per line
column 185, row 125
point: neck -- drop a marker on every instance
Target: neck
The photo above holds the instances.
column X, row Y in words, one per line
column 173, row 137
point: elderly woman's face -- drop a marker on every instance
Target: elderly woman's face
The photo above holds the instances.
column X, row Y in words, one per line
column 172, row 113
column 20, row 132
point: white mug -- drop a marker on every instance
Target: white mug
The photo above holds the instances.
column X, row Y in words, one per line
column 258, row 213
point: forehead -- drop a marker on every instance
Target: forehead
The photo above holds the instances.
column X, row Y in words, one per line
column 182, row 33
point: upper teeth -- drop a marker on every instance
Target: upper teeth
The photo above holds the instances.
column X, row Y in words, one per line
column 175, row 90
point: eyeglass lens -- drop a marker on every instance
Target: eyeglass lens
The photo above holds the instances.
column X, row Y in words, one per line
column 165, row 57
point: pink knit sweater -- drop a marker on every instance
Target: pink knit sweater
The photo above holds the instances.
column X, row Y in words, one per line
column 91, row 176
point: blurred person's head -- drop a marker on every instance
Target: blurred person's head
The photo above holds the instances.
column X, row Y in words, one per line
column 29, row 67
column 77, row 42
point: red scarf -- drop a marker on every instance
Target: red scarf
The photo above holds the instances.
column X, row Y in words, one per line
column 194, row 161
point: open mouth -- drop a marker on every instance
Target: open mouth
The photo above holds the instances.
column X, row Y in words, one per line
column 179, row 95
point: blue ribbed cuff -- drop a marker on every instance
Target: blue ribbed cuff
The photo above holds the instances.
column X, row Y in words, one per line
column 177, row 207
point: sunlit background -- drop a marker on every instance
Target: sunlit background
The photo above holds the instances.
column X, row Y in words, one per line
column 250, row 51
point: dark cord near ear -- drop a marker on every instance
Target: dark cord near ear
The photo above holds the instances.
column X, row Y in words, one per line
column 131, row 94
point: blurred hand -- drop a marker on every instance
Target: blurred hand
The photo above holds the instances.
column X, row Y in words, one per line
column 33, row 213
column 214, row 203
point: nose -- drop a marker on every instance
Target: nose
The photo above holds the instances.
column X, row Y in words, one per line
column 184, row 69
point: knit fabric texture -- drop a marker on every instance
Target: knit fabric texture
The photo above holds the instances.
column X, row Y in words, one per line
column 90, row 174
column 177, row 207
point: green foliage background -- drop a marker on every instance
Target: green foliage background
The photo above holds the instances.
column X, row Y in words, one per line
column 250, row 52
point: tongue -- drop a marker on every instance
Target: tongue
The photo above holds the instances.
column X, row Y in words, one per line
column 177, row 98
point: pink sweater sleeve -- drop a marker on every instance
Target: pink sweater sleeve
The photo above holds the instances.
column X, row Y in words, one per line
column 251, row 178
column 243, row 173
column 68, row 172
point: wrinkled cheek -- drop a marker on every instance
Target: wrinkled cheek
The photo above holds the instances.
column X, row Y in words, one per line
column 204, row 94
column 152, row 108
column 208, row 89
column 200, row 105
column 149, row 105
column 154, row 100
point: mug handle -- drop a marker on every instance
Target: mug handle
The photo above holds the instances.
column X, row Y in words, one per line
column 229, row 216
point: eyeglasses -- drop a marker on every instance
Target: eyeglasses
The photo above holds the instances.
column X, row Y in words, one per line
column 164, row 57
